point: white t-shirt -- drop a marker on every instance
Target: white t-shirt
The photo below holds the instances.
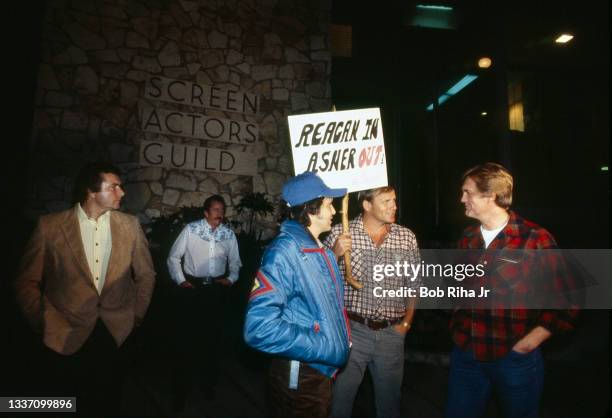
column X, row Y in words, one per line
column 489, row 236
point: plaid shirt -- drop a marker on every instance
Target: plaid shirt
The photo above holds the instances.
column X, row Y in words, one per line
column 400, row 245
column 491, row 333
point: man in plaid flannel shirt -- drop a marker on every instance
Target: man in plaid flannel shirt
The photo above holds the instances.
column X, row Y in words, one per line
column 378, row 323
column 498, row 348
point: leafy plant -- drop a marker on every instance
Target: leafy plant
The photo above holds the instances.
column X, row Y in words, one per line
column 164, row 230
column 255, row 205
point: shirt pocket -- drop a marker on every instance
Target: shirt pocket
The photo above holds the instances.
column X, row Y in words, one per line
column 511, row 286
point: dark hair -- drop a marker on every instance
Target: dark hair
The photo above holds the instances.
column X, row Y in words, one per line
column 212, row 199
column 300, row 212
column 89, row 179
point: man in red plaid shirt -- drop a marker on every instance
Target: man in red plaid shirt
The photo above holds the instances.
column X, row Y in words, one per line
column 497, row 348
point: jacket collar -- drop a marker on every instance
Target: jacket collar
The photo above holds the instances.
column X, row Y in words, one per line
column 72, row 232
column 516, row 226
column 120, row 253
column 299, row 233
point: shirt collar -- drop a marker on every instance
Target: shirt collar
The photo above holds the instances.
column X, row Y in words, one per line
column 82, row 216
column 359, row 222
column 509, row 231
column 219, row 229
column 497, row 230
column 203, row 230
column 208, row 227
column 513, row 226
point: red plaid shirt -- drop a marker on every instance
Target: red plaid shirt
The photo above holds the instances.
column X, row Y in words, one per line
column 491, row 333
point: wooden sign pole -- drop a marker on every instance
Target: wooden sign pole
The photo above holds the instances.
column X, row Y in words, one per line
column 348, row 271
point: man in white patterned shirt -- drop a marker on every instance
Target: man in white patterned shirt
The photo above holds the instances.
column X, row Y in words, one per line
column 378, row 323
column 210, row 264
column 208, row 247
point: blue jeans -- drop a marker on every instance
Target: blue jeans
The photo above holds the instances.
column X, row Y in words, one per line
column 517, row 379
column 383, row 353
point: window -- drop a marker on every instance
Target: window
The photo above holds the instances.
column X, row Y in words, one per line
column 515, row 106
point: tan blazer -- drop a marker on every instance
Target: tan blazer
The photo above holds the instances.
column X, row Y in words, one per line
column 55, row 289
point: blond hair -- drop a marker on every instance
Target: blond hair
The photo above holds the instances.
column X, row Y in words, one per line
column 492, row 178
column 370, row 194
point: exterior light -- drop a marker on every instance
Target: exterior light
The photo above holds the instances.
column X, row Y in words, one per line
column 604, row 168
column 454, row 90
column 434, row 7
column 564, row 38
column 435, row 16
column 484, row 62
column 483, row 113
column 461, row 84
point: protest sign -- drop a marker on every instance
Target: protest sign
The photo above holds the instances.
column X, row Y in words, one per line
column 345, row 148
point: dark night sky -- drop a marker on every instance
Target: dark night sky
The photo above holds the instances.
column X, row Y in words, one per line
column 556, row 162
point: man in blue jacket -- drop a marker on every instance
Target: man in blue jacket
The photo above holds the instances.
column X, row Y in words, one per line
column 296, row 308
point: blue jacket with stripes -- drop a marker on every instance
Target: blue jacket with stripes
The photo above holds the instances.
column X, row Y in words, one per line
column 296, row 308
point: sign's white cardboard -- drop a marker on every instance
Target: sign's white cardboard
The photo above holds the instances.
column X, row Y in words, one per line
column 345, row 148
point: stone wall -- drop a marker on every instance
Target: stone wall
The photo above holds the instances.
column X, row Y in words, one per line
column 97, row 55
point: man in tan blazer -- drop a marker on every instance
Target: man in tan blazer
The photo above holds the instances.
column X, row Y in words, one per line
column 85, row 281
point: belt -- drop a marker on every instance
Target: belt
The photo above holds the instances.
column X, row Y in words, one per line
column 374, row 324
column 200, row 280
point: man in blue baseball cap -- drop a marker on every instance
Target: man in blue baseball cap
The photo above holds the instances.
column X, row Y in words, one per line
column 296, row 307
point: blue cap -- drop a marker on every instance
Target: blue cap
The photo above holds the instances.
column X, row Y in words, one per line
column 305, row 187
